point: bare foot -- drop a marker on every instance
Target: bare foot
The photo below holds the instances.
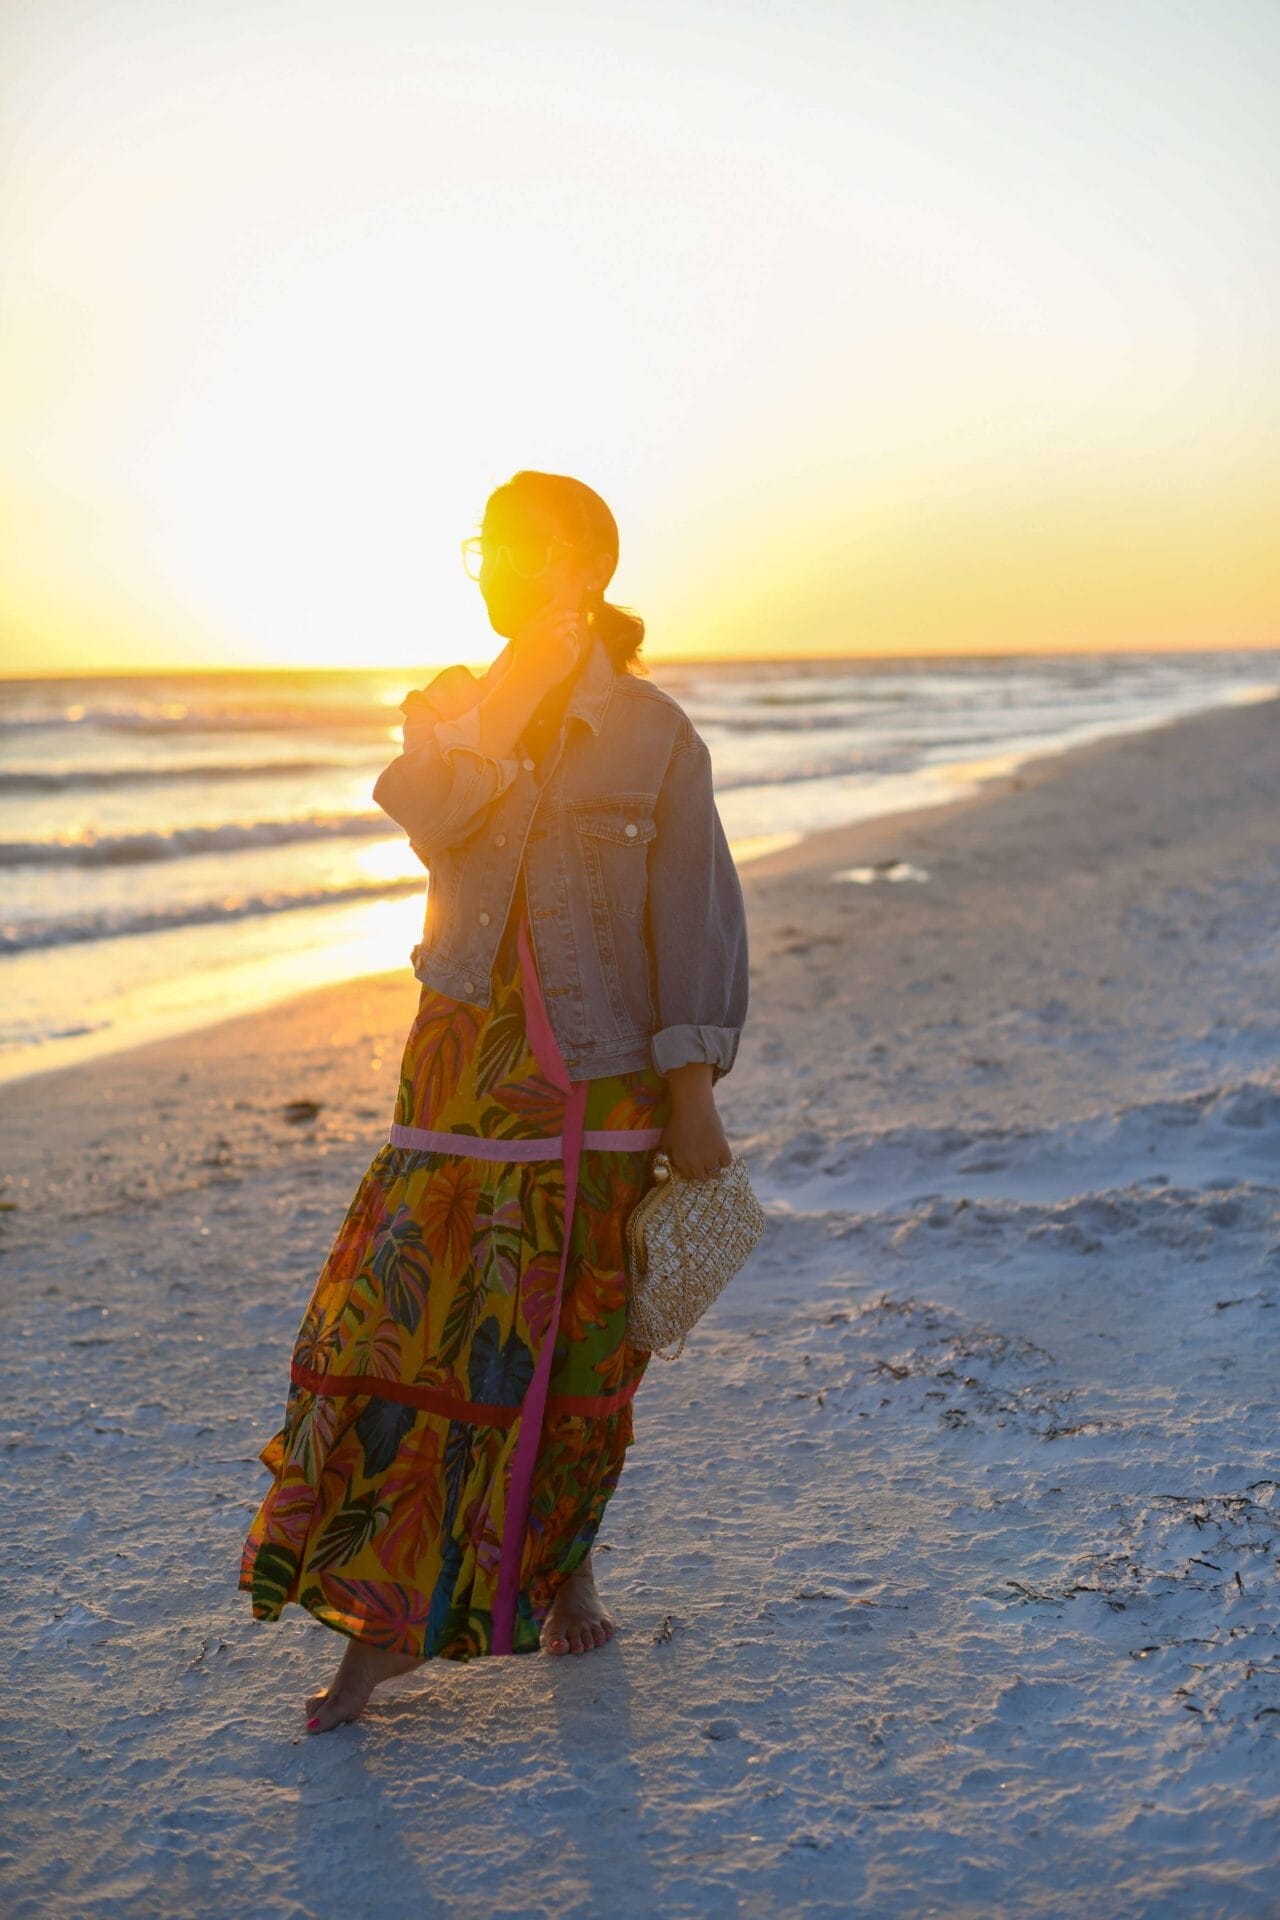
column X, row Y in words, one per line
column 579, row 1619
column 359, row 1671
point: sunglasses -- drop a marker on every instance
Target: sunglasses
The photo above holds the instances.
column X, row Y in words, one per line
column 527, row 557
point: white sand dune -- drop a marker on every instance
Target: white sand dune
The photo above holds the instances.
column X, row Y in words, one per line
column 945, row 1561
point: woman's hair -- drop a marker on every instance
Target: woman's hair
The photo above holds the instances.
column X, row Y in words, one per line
column 557, row 505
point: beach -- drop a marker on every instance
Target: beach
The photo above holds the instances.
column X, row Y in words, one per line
column 944, row 1562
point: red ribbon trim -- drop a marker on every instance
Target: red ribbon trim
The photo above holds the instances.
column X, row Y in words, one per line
column 478, row 1413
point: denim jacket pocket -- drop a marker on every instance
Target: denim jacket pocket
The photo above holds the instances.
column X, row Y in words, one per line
column 612, row 835
column 626, row 817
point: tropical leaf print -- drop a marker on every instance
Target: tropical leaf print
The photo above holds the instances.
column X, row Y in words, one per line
column 498, row 1371
column 380, row 1429
column 502, row 1044
column 292, row 1509
column 358, row 1227
column 413, row 1491
column 458, row 1451
column 465, row 1311
column 401, row 1264
column 538, row 1294
column 388, row 1614
column 447, row 1210
column 493, row 1266
column 441, row 1045
column 361, row 1302
column 349, row 1529
column 593, row 1180
column 530, row 1105
column 542, row 1218
column 312, row 1433
column 593, row 1299
column 473, row 1634
column 496, row 1245
column 318, row 1340
column 271, row 1574
column 375, row 1351
column 441, row 1609
column 483, row 1528
column 614, row 1366
column 637, row 1099
column 272, row 1454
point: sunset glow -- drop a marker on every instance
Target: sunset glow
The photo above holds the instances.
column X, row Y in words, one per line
column 880, row 331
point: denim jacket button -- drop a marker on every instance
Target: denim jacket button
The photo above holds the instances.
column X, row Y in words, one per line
column 527, row 765
column 499, row 839
column 483, row 918
column 632, row 829
column 469, row 985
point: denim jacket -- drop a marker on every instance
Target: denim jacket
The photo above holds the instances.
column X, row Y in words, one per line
column 636, row 912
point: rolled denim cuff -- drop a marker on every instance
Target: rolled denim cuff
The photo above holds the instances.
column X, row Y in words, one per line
column 467, row 796
column 463, row 736
column 443, row 782
column 677, row 1046
column 452, row 691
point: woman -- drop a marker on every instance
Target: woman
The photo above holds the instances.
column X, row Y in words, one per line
column 460, row 1391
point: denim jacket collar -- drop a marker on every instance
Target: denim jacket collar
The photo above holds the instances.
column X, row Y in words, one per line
column 591, row 690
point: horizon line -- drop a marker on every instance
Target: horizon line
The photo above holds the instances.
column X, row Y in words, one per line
column 672, row 659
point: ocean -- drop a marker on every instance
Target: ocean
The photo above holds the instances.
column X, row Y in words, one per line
column 180, row 846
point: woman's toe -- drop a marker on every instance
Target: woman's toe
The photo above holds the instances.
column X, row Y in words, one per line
column 335, row 1712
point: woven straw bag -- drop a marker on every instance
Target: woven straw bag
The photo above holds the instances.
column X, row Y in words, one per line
column 685, row 1240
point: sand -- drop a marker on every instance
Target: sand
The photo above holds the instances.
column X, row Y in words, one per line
column 945, row 1559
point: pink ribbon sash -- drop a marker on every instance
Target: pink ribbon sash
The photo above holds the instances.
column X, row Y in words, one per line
column 549, row 1147
column 567, row 1146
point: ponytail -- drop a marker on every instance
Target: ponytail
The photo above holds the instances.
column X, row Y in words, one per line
column 621, row 630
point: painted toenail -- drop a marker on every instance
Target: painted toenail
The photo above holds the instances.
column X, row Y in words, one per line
column 313, row 1723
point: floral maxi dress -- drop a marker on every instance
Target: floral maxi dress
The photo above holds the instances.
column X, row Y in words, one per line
column 460, row 1389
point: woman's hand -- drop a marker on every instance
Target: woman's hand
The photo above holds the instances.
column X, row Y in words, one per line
column 694, row 1138
column 547, row 648
column 449, row 695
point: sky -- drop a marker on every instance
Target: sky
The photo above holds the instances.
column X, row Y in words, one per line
column 882, row 328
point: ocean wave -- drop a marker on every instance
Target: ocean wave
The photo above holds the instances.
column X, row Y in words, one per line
column 871, row 762
column 86, row 779
column 834, row 713
column 166, row 719
column 180, row 843
column 35, row 935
